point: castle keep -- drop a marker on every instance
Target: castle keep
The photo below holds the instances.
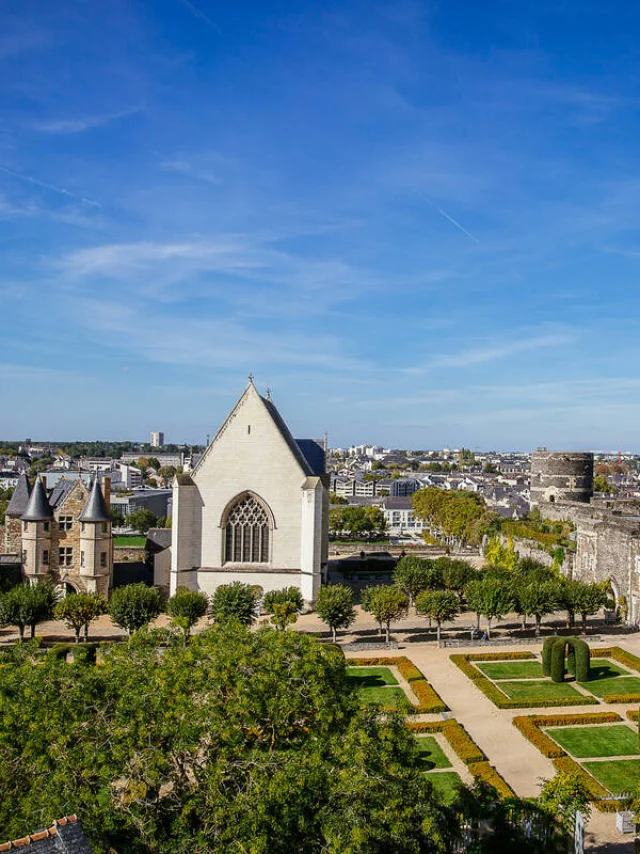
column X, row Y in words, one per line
column 608, row 531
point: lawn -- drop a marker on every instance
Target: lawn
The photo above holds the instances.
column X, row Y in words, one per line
column 619, row 776
column 446, row 784
column 388, row 697
column 432, row 754
column 589, row 741
column 132, row 542
column 602, row 668
column 615, row 685
column 371, row 677
column 510, row 669
column 543, row 690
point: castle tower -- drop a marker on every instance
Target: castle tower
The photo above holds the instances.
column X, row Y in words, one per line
column 12, row 523
column 36, row 534
column 559, row 476
column 96, row 552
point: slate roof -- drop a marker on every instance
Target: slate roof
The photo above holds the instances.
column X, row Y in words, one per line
column 63, row 837
column 95, row 509
column 160, row 537
column 313, row 454
column 60, row 491
column 20, row 497
column 295, row 449
column 38, row 508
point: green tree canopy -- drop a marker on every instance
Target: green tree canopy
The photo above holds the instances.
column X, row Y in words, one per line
column 490, row 598
column 439, row 605
column 135, row 605
column 240, row 741
column 537, row 599
column 27, row 605
column 356, row 521
column 459, row 515
column 277, row 597
column 334, row 606
column 413, row 574
column 141, row 520
column 387, row 604
column 78, row 610
column 235, row 601
column 186, row 607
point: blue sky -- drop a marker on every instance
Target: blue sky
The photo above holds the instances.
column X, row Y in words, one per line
column 416, row 222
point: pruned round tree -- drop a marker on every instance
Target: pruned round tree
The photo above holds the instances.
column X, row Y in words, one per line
column 78, row 610
column 186, row 607
column 286, row 594
column 386, row 604
column 413, row 574
column 334, row 606
column 27, row 605
column 235, row 601
column 135, row 605
column 443, row 606
column 492, row 598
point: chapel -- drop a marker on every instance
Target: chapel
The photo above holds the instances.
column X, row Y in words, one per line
column 255, row 508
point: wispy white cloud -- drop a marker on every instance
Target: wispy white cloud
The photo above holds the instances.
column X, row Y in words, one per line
column 64, row 126
column 494, row 351
column 29, row 179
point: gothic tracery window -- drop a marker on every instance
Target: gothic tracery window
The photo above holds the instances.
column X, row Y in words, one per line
column 247, row 532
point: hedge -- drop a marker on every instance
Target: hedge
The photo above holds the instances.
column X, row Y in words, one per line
column 429, row 701
column 632, row 714
column 597, row 792
column 487, row 774
column 619, row 654
column 493, row 693
column 461, row 742
column 85, row 652
column 621, row 698
column 578, row 661
column 499, row 656
column 547, row 646
column 530, row 727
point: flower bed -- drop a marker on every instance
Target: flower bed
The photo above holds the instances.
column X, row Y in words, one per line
column 429, row 701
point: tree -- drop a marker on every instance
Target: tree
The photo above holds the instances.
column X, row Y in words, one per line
column 235, row 601
column 334, row 606
column 153, row 463
column 141, row 520
column 439, row 605
column 387, row 604
column 337, row 499
column 412, row 575
column 186, row 607
column 601, row 484
column 590, row 600
column 456, row 574
column 27, row 605
column 167, row 473
column 356, row 521
column 571, row 592
column 563, row 796
column 134, row 606
column 503, row 557
column 284, row 614
column 538, row 600
column 277, row 597
column 116, row 517
column 490, row 598
column 240, row 741
column 78, row 610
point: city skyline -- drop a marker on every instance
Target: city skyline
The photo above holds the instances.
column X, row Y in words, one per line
column 415, row 222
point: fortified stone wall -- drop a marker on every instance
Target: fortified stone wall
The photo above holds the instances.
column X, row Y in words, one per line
column 559, row 476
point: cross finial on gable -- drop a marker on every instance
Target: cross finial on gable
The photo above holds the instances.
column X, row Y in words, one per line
column 251, row 378
column 268, row 394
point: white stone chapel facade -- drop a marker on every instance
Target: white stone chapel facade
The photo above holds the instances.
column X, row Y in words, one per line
column 255, row 509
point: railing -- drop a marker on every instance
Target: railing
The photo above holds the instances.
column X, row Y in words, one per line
column 503, row 641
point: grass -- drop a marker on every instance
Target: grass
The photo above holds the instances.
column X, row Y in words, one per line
column 617, row 775
column 616, row 685
column 538, row 690
column 133, row 542
column 446, row 785
column 387, row 697
column 497, row 670
column 432, row 754
column 583, row 741
column 371, row 677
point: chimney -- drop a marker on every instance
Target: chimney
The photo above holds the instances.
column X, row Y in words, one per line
column 106, row 490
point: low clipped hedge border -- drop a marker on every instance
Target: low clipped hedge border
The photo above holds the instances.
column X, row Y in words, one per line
column 429, row 701
column 468, row 752
column 531, row 727
column 461, row 742
column 493, row 693
column 633, row 714
column 618, row 654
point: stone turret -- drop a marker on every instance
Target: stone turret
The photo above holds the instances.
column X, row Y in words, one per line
column 560, row 476
column 36, row 534
column 96, row 552
column 16, row 507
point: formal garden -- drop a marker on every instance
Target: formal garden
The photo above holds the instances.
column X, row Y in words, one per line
column 566, row 673
column 601, row 748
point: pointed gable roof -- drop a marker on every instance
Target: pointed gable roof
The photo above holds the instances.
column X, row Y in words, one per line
column 38, row 508
column 95, row 509
column 20, row 498
column 277, row 420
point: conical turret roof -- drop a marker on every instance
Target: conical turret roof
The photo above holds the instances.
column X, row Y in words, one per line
column 95, row 510
column 20, row 498
column 38, row 508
